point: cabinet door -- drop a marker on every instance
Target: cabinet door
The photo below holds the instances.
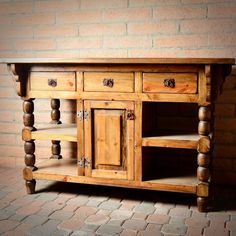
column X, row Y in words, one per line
column 109, row 139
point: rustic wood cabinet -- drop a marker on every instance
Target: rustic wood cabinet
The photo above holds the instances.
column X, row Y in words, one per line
column 141, row 123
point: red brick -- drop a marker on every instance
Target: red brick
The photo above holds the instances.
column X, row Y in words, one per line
column 130, row 14
column 102, row 29
column 16, row 7
column 7, row 116
column 222, row 164
column 91, row 4
column 7, row 161
column 210, row 52
column 57, row 54
column 206, row 26
column 222, row 39
column 3, row 71
column 6, row 225
column 90, row 16
column 5, row 20
column 128, row 42
column 230, row 82
column 226, row 10
column 154, row 52
column 183, row 12
column 77, row 43
column 194, row 231
column 231, row 225
column 228, row 96
column 16, row 32
column 54, row 5
column 166, row 27
column 8, row 139
column 35, row 44
column 222, row 137
column 6, row 92
column 192, row 1
column 12, row 151
column 225, row 110
column 217, row 1
column 103, row 53
column 158, row 219
column 225, row 124
column 34, row 19
column 152, row 2
column 13, row 104
column 181, row 41
column 55, row 31
column 6, row 45
column 225, row 151
column 73, row 223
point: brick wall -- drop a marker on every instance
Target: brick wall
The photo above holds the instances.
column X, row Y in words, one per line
column 116, row 28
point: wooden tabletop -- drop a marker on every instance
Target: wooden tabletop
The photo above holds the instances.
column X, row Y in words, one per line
column 230, row 61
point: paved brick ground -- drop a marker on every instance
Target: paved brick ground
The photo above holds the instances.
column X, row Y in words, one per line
column 73, row 209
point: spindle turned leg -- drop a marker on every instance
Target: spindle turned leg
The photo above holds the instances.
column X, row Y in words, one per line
column 29, row 147
column 204, row 156
column 55, row 119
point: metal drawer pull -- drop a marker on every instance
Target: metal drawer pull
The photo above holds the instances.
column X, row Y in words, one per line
column 52, row 82
column 170, row 83
column 108, row 82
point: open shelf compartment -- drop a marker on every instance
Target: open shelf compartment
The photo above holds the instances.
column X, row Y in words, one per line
column 171, row 125
column 62, row 132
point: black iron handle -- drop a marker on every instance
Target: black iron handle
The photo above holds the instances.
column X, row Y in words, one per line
column 170, row 83
column 52, row 82
column 108, row 82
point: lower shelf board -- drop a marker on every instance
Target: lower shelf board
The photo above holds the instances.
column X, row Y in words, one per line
column 187, row 141
column 65, row 170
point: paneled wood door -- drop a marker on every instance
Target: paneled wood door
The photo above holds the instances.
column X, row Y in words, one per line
column 109, row 139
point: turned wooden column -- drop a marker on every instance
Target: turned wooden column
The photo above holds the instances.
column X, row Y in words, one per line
column 204, row 156
column 29, row 147
column 55, row 119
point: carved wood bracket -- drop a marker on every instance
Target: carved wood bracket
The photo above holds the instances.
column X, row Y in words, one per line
column 219, row 75
column 19, row 77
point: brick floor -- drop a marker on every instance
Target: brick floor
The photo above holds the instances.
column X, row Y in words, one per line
column 61, row 209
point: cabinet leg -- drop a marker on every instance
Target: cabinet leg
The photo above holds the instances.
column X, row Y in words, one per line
column 202, row 204
column 29, row 147
column 55, row 119
column 30, row 186
column 56, row 150
column 204, row 156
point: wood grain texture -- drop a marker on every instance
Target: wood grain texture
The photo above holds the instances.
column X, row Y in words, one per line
column 120, row 60
column 184, row 83
column 121, row 82
column 64, row 81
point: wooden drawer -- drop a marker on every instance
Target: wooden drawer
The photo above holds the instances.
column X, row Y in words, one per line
column 108, row 82
column 52, row 81
column 170, row 82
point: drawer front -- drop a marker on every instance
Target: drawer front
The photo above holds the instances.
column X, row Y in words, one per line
column 170, row 82
column 52, row 81
column 108, row 82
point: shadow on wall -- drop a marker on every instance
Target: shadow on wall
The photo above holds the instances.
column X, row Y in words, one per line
column 224, row 162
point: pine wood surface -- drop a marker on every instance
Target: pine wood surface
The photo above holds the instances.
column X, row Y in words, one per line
column 121, row 60
column 65, row 170
column 123, row 105
column 188, row 141
column 184, row 82
column 64, row 132
column 65, row 81
column 122, row 82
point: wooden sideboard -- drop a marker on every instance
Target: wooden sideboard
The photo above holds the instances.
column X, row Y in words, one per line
column 141, row 123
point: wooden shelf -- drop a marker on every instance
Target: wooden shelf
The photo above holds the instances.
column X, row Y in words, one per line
column 62, row 132
column 187, row 141
column 66, row 170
